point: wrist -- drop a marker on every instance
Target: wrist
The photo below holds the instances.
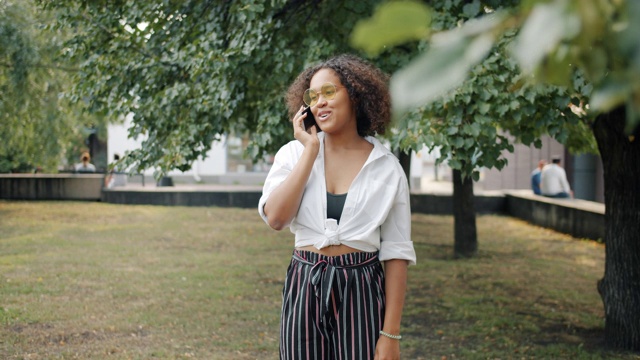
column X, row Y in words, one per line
column 391, row 336
column 312, row 148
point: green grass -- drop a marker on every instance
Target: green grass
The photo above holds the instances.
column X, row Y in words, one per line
column 82, row 280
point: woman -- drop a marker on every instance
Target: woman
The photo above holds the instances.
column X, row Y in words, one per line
column 85, row 164
column 346, row 199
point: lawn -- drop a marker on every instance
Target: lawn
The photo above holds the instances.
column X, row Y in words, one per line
column 87, row 280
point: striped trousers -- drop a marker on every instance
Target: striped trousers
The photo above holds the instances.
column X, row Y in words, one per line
column 333, row 307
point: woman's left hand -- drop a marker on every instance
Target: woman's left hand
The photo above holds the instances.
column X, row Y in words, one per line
column 387, row 349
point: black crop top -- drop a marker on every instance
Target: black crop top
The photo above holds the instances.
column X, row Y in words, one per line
column 335, row 204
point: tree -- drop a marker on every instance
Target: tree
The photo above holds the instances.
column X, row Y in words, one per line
column 38, row 126
column 478, row 120
column 591, row 48
column 193, row 71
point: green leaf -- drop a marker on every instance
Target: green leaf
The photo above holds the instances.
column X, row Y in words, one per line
column 457, row 142
column 552, row 19
column 469, row 143
column 392, row 24
column 527, row 138
column 475, row 129
column 483, row 108
column 472, row 9
column 444, row 66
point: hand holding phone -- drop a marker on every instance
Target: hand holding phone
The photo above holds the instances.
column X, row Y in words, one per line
column 310, row 120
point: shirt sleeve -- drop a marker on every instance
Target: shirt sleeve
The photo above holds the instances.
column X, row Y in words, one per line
column 281, row 168
column 395, row 231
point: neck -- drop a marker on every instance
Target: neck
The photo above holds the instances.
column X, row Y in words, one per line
column 342, row 140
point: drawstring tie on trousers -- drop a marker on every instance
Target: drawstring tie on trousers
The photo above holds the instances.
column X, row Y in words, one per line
column 322, row 278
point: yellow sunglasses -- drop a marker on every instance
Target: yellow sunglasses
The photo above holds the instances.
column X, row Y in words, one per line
column 328, row 90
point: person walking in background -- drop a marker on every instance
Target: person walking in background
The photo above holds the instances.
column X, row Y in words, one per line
column 85, row 164
column 535, row 177
column 346, row 199
column 115, row 177
column 553, row 180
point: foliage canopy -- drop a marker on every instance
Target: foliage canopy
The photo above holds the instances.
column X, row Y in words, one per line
column 466, row 95
column 192, row 71
column 38, row 125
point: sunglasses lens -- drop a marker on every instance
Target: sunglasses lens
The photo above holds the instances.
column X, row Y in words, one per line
column 329, row 91
column 310, row 97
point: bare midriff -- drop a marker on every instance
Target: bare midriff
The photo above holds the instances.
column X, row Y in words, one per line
column 333, row 250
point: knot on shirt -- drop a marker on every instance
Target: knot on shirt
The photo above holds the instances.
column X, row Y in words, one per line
column 331, row 235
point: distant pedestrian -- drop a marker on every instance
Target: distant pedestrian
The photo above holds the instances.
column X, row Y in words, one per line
column 535, row 177
column 116, row 177
column 85, row 165
column 553, row 180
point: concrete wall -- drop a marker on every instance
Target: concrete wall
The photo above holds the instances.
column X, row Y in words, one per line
column 171, row 197
column 439, row 204
column 420, row 203
column 51, row 186
column 579, row 218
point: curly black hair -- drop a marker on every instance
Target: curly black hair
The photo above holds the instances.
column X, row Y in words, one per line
column 366, row 85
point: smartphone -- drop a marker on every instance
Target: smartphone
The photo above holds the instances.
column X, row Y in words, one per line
column 310, row 121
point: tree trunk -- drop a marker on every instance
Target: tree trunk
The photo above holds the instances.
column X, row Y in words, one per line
column 620, row 286
column 464, row 213
column 405, row 162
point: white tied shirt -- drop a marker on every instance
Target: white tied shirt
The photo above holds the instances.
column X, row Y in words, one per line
column 376, row 214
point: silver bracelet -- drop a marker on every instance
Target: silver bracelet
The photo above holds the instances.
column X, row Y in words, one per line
column 395, row 337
